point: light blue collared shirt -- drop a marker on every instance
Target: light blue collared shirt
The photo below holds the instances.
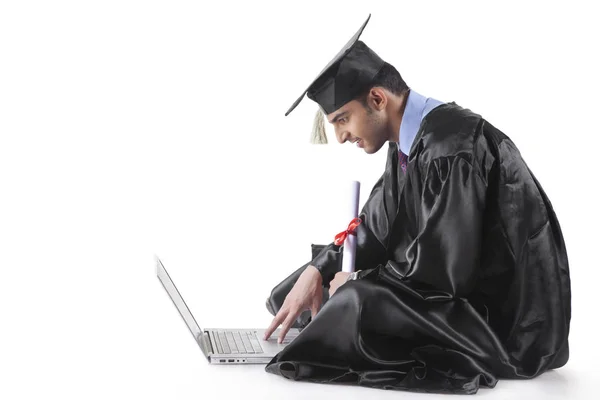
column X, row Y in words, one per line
column 417, row 107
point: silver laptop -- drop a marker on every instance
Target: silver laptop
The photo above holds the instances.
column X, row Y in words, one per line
column 226, row 346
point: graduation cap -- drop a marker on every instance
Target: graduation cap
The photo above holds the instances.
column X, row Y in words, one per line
column 350, row 72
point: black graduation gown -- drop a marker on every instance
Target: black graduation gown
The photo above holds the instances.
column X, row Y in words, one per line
column 467, row 274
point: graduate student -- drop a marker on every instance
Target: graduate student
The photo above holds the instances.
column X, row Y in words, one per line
column 462, row 273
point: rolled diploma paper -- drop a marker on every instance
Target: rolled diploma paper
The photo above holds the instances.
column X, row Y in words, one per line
column 350, row 242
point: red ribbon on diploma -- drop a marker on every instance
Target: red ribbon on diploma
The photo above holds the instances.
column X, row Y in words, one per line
column 340, row 238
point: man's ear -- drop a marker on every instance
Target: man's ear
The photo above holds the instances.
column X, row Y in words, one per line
column 377, row 98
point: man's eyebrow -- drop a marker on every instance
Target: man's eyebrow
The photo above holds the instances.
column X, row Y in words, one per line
column 340, row 115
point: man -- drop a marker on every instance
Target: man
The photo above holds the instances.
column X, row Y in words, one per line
column 463, row 273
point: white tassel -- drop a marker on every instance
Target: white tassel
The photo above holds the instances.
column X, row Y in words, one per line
column 318, row 133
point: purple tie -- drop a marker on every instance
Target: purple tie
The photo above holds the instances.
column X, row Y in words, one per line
column 402, row 158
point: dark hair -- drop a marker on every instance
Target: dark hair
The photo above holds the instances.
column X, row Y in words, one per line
column 389, row 78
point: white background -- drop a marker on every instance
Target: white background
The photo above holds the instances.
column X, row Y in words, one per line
column 134, row 128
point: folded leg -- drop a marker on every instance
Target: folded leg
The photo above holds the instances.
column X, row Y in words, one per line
column 375, row 335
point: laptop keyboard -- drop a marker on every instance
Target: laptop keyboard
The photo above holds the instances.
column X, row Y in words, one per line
column 237, row 342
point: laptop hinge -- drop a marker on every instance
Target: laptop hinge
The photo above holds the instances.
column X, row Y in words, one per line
column 207, row 342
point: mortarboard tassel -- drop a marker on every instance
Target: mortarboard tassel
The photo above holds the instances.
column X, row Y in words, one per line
column 318, row 132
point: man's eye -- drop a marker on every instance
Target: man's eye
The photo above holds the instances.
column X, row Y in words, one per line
column 342, row 120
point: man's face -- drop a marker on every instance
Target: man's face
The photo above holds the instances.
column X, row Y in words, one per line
column 360, row 124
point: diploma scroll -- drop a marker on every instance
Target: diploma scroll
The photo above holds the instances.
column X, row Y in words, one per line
column 348, row 256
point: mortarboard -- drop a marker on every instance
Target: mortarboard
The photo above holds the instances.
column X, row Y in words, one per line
column 350, row 72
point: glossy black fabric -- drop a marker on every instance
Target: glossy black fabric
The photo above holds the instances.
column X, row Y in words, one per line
column 468, row 277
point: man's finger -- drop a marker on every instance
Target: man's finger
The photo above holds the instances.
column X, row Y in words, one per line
column 281, row 315
column 285, row 327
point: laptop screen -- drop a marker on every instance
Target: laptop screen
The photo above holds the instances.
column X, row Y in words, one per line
column 183, row 309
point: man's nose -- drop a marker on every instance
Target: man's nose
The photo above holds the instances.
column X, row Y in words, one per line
column 343, row 137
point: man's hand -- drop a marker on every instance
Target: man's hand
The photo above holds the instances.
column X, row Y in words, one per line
column 339, row 279
column 307, row 294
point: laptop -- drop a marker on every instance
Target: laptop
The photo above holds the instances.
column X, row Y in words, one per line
column 226, row 346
